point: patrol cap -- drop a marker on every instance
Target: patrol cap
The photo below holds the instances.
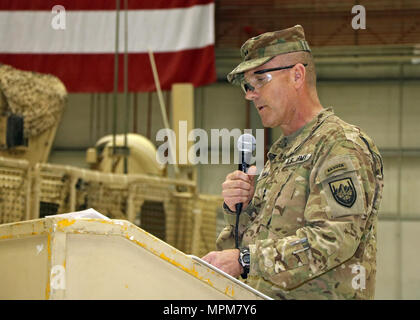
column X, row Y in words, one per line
column 261, row 49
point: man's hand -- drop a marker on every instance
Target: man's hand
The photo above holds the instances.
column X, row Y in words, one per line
column 239, row 187
column 226, row 260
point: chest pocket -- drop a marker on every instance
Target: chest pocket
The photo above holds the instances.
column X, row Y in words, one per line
column 342, row 187
column 262, row 186
column 288, row 201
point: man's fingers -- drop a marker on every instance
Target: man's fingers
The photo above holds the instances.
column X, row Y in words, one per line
column 237, row 174
column 236, row 200
column 252, row 172
column 231, row 202
column 238, row 188
column 235, row 193
column 236, row 184
column 226, row 260
column 209, row 257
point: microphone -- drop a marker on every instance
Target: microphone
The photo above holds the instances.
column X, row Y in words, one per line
column 246, row 145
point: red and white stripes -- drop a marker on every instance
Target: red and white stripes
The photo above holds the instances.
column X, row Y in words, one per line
column 180, row 33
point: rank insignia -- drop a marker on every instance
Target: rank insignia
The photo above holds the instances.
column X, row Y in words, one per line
column 343, row 191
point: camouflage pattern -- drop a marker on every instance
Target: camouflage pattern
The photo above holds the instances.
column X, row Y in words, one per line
column 325, row 185
column 39, row 98
column 260, row 49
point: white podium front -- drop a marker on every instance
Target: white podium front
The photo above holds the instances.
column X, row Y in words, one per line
column 61, row 258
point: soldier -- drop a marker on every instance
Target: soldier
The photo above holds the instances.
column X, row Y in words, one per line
column 309, row 229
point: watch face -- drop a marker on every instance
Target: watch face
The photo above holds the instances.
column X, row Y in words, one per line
column 245, row 257
column 245, row 261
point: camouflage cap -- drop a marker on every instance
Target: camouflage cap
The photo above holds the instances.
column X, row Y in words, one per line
column 261, row 49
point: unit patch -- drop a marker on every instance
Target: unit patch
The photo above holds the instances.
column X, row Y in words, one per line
column 344, row 192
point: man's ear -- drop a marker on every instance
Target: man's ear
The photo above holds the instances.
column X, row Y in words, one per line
column 299, row 74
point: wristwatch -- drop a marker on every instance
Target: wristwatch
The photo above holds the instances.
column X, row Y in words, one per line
column 244, row 261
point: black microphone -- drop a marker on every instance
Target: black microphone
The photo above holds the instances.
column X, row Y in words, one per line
column 246, row 145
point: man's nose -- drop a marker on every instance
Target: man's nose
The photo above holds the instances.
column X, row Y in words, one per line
column 251, row 95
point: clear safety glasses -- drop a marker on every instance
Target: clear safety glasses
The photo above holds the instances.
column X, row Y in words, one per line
column 260, row 78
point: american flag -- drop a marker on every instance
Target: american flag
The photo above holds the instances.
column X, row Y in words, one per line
column 77, row 44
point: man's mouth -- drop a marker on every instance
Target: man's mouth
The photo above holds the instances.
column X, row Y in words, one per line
column 260, row 108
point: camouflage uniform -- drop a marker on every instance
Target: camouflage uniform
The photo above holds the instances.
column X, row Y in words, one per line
column 311, row 225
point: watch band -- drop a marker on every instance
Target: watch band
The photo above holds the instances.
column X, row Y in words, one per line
column 244, row 261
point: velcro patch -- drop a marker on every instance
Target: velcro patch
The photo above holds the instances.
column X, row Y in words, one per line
column 343, row 191
column 342, row 185
column 336, row 167
column 297, row 159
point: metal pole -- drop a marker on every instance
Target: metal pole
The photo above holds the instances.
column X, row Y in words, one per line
column 98, row 116
column 399, row 185
column 172, row 144
column 106, row 113
column 126, row 99
column 135, row 107
column 149, row 115
column 91, row 120
column 114, row 120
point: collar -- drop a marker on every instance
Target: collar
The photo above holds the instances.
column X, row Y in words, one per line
column 287, row 145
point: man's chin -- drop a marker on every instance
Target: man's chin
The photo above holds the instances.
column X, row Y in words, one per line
column 267, row 124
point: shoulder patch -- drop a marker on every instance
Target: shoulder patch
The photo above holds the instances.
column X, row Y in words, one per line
column 336, row 167
column 343, row 191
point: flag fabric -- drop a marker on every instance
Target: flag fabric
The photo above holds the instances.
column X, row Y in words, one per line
column 76, row 41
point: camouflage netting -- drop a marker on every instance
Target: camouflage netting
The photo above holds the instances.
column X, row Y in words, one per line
column 39, row 98
column 109, row 199
column 14, row 188
column 54, row 190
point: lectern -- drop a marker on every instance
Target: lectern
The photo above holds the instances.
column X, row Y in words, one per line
column 64, row 258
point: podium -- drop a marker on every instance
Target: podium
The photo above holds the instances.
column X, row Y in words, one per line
column 60, row 258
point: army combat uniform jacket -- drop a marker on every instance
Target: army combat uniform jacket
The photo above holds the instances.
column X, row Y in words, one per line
column 311, row 225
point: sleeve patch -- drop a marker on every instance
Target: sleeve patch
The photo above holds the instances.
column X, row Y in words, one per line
column 343, row 191
column 342, row 187
column 336, row 167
